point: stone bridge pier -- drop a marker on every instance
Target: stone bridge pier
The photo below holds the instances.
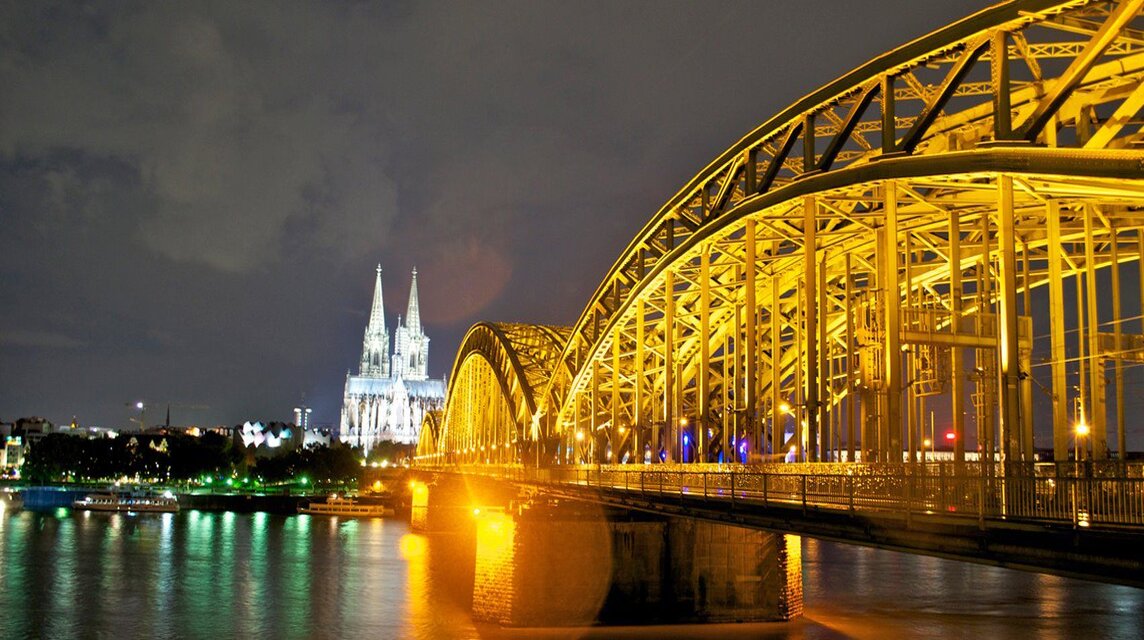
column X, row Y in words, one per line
column 541, row 562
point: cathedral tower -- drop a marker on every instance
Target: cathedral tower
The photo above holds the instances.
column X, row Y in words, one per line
column 375, row 345
column 392, row 393
column 411, row 345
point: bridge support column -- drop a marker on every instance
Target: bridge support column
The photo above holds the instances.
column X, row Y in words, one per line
column 723, row 573
column 889, row 263
column 1057, row 334
column 956, row 356
column 445, row 504
column 575, row 565
column 1097, row 415
column 810, row 309
column 1010, row 430
column 669, row 436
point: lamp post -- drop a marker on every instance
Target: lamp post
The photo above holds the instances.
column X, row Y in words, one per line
column 1081, row 431
column 684, row 440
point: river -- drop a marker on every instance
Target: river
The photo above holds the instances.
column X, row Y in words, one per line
column 196, row 574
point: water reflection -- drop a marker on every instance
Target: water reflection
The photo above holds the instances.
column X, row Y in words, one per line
column 200, row 575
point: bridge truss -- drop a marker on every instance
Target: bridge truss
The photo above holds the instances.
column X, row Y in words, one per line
column 953, row 228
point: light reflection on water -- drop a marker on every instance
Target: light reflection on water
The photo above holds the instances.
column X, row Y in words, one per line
column 201, row 575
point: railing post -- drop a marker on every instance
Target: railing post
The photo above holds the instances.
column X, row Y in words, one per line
column 1089, row 480
column 765, row 475
column 850, row 483
column 732, row 490
column 908, row 481
column 981, row 499
column 803, row 477
column 1075, row 506
column 704, row 485
column 941, row 475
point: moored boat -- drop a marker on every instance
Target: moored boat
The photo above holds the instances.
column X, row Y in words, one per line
column 11, row 501
column 126, row 502
column 336, row 506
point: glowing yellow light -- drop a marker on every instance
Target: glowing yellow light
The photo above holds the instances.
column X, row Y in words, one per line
column 1082, row 429
column 784, row 407
column 623, row 430
column 412, row 546
column 377, row 485
column 793, row 448
column 476, row 511
column 579, row 436
column 683, row 421
column 927, row 442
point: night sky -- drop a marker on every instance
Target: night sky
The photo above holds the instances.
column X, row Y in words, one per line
column 193, row 196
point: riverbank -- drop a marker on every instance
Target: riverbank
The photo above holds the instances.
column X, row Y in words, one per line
column 48, row 498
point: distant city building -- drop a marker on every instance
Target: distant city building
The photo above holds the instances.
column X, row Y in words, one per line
column 318, row 437
column 391, row 393
column 268, row 439
column 33, row 430
column 12, row 455
column 302, row 416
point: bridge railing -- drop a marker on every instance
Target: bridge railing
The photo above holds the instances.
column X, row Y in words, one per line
column 1077, row 499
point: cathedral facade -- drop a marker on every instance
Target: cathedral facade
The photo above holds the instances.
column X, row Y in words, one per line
column 392, row 391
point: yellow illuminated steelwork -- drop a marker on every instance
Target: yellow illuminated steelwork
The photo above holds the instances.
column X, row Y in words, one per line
column 869, row 253
column 419, row 505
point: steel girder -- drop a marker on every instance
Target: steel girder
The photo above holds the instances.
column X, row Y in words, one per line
column 869, row 254
column 491, row 400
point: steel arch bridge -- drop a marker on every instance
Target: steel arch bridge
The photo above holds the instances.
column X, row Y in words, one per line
column 886, row 247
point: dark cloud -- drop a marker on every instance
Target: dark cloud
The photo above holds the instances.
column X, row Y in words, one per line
column 192, row 195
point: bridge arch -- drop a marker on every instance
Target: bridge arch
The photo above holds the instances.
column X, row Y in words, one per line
column 492, row 395
column 869, row 254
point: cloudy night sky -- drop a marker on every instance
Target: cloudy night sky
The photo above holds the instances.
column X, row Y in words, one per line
column 193, row 196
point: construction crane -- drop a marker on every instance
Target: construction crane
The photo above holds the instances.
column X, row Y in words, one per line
column 142, row 407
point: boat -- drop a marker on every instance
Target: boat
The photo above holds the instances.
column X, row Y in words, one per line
column 11, row 501
column 127, row 502
column 337, row 506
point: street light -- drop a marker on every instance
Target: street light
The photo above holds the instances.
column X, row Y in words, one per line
column 1081, row 431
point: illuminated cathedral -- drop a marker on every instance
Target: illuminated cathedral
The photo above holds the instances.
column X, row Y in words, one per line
column 389, row 396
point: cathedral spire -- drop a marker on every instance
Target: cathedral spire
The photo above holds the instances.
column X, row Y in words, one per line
column 413, row 313
column 375, row 344
column 377, row 313
column 410, row 345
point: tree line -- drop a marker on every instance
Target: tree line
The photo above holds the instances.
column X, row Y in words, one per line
column 60, row 457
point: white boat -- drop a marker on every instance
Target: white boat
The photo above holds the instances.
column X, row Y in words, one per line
column 10, row 501
column 335, row 506
column 122, row 502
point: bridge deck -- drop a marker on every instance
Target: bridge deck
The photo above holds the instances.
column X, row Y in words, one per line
column 1077, row 526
